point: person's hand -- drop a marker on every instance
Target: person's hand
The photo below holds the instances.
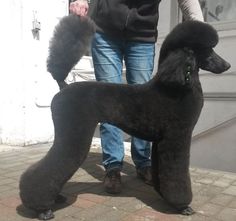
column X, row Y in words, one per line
column 79, row 7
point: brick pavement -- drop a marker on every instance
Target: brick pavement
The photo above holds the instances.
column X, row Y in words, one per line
column 214, row 193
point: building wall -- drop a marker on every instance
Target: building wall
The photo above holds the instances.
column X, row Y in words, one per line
column 26, row 89
column 24, row 119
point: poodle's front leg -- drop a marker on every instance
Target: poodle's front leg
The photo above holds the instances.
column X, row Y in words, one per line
column 170, row 166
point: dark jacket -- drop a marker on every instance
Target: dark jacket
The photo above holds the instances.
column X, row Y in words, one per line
column 134, row 20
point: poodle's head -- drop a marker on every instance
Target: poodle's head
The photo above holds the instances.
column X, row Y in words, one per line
column 188, row 47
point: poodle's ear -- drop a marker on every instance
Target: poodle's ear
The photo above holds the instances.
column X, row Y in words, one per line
column 176, row 69
column 209, row 60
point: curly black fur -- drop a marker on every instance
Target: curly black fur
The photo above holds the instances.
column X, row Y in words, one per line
column 201, row 38
column 69, row 43
column 164, row 110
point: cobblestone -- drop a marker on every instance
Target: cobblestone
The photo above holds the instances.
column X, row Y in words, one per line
column 214, row 193
column 231, row 190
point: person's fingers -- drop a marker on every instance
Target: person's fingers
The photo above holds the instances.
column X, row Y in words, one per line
column 72, row 8
column 79, row 8
column 83, row 11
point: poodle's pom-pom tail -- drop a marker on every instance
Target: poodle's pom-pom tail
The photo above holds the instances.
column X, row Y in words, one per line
column 70, row 41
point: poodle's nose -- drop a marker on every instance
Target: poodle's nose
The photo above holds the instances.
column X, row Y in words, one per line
column 226, row 65
column 221, row 66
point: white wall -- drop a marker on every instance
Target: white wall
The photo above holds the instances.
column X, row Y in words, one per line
column 23, row 117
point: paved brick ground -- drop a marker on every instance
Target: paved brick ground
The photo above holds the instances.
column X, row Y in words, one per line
column 214, row 193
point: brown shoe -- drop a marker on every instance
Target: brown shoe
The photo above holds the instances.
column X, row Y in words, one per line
column 112, row 181
column 145, row 174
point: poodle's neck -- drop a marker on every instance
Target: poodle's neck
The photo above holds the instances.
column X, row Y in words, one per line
column 172, row 89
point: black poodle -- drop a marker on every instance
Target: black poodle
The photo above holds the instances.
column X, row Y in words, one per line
column 164, row 111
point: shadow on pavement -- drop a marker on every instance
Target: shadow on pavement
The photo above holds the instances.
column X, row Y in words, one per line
column 132, row 187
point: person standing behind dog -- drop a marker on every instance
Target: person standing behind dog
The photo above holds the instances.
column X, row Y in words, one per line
column 126, row 31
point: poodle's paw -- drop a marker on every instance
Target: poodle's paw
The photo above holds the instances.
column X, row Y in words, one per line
column 60, row 199
column 46, row 215
column 188, row 211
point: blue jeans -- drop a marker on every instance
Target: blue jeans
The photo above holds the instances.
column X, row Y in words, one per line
column 108, row 55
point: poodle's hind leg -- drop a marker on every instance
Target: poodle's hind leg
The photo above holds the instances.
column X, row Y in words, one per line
column 41, row 183
column 48, row 214
column 73, row 137
column 60, row 199
column 45, row 215
column 170, row 166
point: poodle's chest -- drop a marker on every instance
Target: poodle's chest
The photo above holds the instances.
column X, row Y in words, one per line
column 179, row 109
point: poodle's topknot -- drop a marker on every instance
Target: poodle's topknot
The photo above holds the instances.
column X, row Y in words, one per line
column 193, row 34
column 69, row 43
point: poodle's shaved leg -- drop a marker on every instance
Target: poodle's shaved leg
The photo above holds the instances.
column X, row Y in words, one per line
column 46, row 215
column 155, row 168
column 171, row 176
column 188, row 211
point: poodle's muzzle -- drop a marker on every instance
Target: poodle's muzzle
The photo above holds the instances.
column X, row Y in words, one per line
column 209, row 60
